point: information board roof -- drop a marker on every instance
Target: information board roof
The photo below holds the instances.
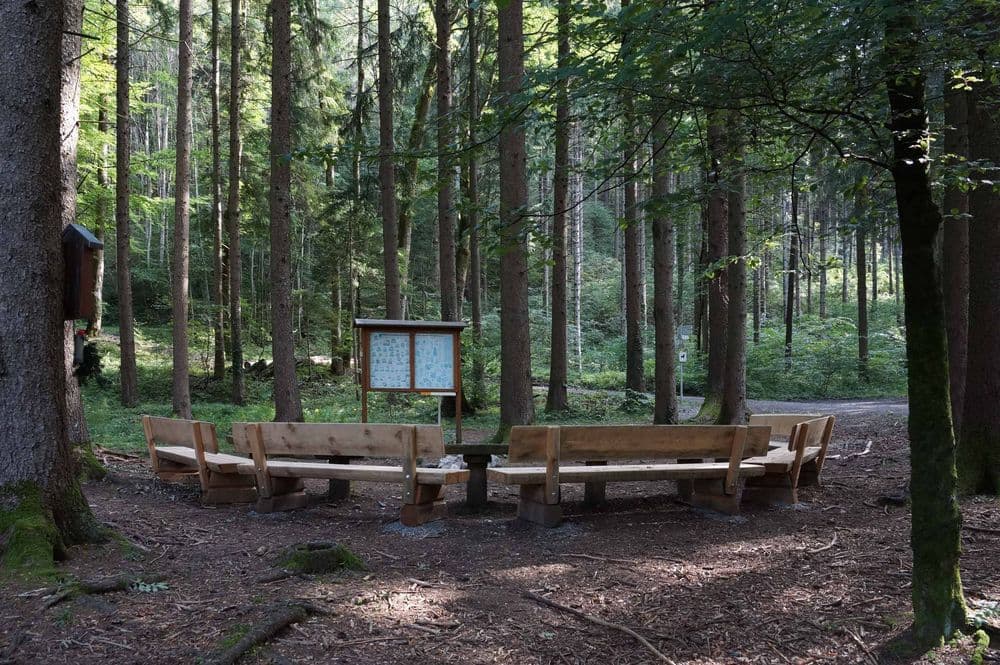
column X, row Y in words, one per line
column 409, row 325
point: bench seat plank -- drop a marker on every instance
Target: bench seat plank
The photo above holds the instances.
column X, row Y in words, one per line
column 534, row 475
column 369, row 472
column 219, row 462
column 781, row 460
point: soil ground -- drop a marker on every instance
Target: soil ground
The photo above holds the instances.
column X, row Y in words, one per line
column 826, row 581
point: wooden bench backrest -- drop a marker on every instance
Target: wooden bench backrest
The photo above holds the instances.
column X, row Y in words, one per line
column 781, row 424
column 815, row 432
column 620, row 442
column 340, row 439
column 176, row 432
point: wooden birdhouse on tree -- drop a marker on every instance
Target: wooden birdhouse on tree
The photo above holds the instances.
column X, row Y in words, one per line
column 79, row 249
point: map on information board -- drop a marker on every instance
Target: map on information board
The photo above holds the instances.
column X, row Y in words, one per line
column 435, row 361
column 389, row 360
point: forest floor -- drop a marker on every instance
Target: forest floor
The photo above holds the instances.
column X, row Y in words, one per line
column 824, row 582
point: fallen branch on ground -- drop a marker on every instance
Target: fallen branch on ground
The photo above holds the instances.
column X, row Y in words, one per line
column 980, row 529
column 93, row 587
column 280, row 618
column 829, row 546
column 600, row 622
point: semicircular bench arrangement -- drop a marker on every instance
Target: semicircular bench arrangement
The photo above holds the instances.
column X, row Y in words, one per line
column 683, row 449
column 280, row 480
column 795, row 459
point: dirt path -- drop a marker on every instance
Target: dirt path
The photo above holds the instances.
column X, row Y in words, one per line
column 769, row 586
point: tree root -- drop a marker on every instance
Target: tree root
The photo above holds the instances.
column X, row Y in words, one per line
column 600, row 622
column 56, row 595
column 281, row 617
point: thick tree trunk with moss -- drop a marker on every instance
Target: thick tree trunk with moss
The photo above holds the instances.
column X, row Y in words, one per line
column 41, row 507
column 979, row 446
column 936, row 523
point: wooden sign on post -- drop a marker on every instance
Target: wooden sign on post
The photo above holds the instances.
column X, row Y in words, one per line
column 422, row 357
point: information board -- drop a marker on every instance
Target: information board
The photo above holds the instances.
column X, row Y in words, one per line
column 389, row 360
column 434, row 359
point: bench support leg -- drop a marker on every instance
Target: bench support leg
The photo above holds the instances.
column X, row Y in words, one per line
column 809, row 474
column 228, row 488
column 594, row 493
column 338, row 489
column 286, row 494
column 427, row 506
column 710, row 494
column 532, row 507
column 773, row 488
column 175, row 472
column 475, row 488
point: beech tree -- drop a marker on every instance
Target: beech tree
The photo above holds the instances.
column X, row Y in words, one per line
column 42, row 510
column 287, row 403
column 936, row 523
column 979, row 444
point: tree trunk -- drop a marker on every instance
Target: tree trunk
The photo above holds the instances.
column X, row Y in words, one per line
column 387, row 168
column 446, row 165
column 123, row 153
column 233, row 207
column 824, row 226
column 862, row 291
column 734, row 409
column 516, row 403
column 955, row 252
column 576, row 222
column 42, row 509
column 557, row 399
column 874, row 260
column 979, row 446
column 76, row 423
column 218, row 275
column 472, row 194
column 793, row 271
column 718, row 250
column 182, row 197
column 409, row 176
column 287, row 404
column 101, row 213
column 665, row 405
column 936, row 523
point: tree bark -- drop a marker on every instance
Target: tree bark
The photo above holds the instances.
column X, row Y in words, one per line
column 979, row 445
column 287, row 404
column 233, row 206
column 860, row 207
column 717, row 286
column 557, row 399
column 955, row 251
column 218, row 275
column 95, row 323
column 793, row 271
column 42, row 509
column 123, row 154
column 76, row 422
column 445, row 165
column 734, row 409
column 516, row 403
column 936, row 523
column 665, row 404
column 472, row 193
column 387, row 168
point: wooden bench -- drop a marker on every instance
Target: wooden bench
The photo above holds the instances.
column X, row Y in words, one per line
column 794, row 462
column 280, row 481
column 182, row 449
column 713, row 484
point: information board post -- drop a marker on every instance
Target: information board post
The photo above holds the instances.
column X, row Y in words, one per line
column 423, row 357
